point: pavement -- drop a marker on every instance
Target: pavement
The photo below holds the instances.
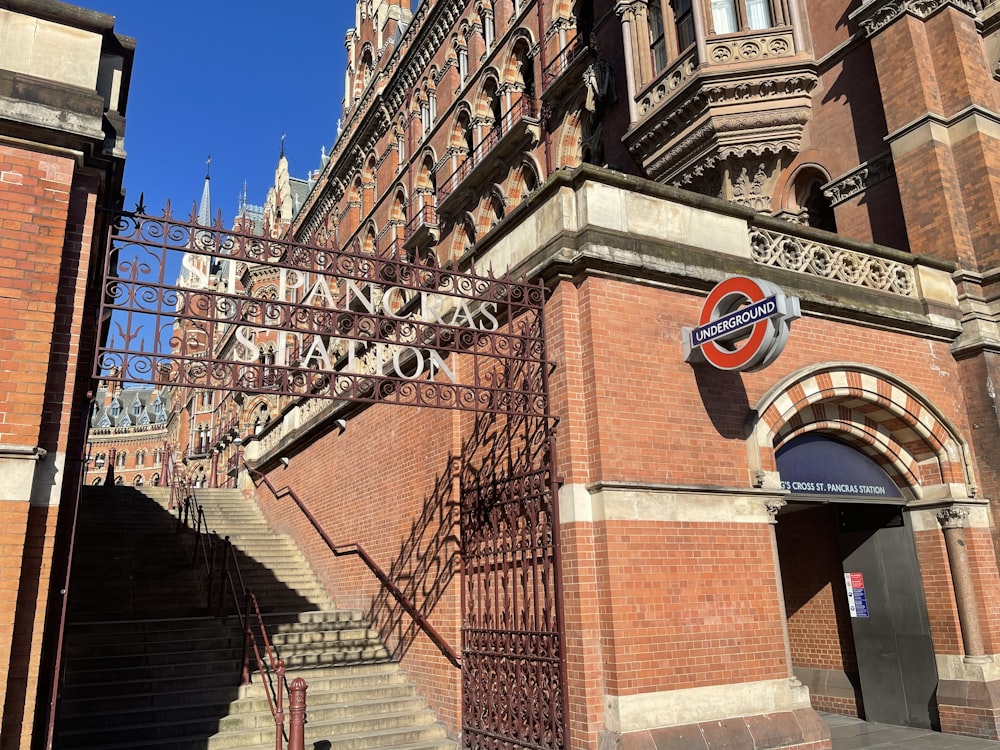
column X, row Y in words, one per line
column 854, row 734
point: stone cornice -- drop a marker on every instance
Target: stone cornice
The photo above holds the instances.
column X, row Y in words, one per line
column 859, row 179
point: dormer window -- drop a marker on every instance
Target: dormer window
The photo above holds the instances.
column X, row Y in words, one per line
column 115, row 408
column 137, row 406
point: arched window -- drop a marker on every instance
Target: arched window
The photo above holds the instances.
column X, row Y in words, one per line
column 819, row 209
column 463, row 63
column 486, row 20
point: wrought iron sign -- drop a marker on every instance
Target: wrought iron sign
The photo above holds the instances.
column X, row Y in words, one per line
column 198, row 307
column 206, row 307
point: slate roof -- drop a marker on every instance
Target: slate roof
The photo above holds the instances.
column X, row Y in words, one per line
column 133, row 407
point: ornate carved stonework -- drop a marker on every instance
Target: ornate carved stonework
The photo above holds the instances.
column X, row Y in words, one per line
column 748, row 184
column 953, row 517
column 860, row 179
column 773, row 506
column 763, row 46
column 875, row 15
column 675, row 76
column 706, row 120
column 771, row 248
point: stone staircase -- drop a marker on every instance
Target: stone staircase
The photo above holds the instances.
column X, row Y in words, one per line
column 148, row 667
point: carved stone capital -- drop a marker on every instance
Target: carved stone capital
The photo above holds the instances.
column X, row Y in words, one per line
column 953, row 517
column 773, row 506
column 627, row 10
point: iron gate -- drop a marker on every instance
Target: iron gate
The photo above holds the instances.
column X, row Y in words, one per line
column 188, row 306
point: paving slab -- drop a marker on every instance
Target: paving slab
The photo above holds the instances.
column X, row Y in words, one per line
column 849, row 733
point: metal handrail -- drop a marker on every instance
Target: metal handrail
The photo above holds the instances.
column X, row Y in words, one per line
column 562, row 61
column 355, row 548
column 524, row 107
column 189, row 510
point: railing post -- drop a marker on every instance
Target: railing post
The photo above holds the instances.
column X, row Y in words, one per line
column 212, row 554
column 247, row 636
column 223, row 578
column 297, row 714
column 279, row 711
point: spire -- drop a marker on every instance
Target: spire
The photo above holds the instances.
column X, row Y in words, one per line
column 205, row 207
column 282, row 154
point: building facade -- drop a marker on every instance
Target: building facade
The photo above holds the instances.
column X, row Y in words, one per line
column 730, row 546
column 64, row 81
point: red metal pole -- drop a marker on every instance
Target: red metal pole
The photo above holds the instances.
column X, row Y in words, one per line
column 247, row 635
column 226, row 547
column 279, row 712
column 297, row 714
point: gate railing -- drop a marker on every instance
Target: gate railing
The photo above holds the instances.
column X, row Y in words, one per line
column 223, row 572
column 356, row 548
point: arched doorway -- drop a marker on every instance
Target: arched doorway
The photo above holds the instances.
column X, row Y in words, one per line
column 880, row 471
column 859, row 632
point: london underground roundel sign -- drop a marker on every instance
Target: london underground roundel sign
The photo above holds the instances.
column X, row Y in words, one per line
column 743, row 325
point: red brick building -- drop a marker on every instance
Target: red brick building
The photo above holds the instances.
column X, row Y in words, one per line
column 726, row 551
column 64, row 78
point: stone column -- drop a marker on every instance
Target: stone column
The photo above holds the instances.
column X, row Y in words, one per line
column 773, row 506
column 626, row 12
column 953, row 521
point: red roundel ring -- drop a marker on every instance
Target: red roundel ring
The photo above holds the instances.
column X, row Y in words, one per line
column 723, row 299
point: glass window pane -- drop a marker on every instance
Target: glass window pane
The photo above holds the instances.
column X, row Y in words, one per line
column 759, row 14
column 724, row 16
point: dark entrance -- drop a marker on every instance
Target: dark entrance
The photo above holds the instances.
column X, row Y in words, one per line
column 854, row 596
column 893, row 641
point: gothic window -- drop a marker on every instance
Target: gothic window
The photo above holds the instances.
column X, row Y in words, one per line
column 140, row 459
column 489, row 31
column 115, row 409
column 425, row 117
column 819, row 210
column 463, row 63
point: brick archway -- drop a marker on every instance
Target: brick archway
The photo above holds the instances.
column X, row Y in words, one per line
column 879, row 414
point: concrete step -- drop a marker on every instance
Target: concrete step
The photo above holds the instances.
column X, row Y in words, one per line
column 172, row 682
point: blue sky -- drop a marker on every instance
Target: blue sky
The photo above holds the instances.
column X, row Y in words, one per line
column 227, row 79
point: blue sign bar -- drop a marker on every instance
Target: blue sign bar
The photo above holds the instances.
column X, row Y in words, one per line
column 734, row 321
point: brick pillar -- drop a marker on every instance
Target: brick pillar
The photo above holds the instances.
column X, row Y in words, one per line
column 939, row 101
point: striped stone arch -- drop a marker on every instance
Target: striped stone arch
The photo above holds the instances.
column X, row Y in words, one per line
column 877, row 413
